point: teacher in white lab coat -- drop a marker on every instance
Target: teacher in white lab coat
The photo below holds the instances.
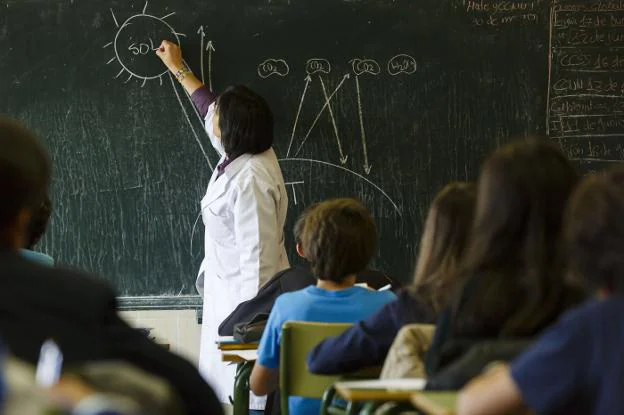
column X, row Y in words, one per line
column 244, row 209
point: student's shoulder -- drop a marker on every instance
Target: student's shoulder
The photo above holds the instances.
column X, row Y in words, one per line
column 291, row 298
column 290, row 306
column 80, row 282
column 381, row 297
column 595, row 311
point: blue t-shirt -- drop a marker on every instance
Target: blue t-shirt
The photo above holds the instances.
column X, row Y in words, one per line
column 319, row 305
column 577, row 366
column 38, row 257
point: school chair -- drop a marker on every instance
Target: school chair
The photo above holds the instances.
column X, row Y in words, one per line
column 298, row 338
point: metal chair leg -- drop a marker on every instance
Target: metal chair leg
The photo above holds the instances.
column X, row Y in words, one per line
column 241, row 388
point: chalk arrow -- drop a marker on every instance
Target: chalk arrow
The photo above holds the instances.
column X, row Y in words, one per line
column 294, row 129
column 367, row 167
column 205, row 47
column 200, row 31
column 343, row 158
column 344, row 78
column 210, row 48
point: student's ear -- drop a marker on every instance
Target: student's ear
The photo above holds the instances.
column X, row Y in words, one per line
column 299, row 251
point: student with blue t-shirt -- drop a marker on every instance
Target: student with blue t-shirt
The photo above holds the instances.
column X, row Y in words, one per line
column 338, row 239
column 577, row 366
column 443, row 242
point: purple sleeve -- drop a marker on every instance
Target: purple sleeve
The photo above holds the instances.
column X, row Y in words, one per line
column 202, row 98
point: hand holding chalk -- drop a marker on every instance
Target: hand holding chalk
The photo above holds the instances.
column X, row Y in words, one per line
column 171, row 55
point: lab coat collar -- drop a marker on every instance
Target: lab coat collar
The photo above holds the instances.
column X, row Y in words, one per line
column 235, row 165
column 218, row 185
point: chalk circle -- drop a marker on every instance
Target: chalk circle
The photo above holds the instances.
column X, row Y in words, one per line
column 365, row 66
column 317, row 65
column 135, row 42
column 402, row 64
column 273, row 67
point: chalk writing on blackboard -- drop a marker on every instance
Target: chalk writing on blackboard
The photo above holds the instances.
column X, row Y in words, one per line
column 320, row 113
column 294, row 185
column 343, row 158
column 273, row 66
column 343, row 169
column 318, row 65
column 502, row 12
column 365, row 66
column 294, row 128
column 402, row 64
column 139, row 35
column 134, row 44
column 209, row 48
column 367, row 166
column 586, row 79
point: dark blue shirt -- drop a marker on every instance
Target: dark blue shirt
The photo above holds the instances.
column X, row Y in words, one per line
column 577, row 366
column 366, row 344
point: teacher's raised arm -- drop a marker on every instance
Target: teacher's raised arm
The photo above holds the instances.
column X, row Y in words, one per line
column 171, row 55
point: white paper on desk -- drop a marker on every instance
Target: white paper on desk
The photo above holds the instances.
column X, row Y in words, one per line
column 225, row 339
column 415, row 384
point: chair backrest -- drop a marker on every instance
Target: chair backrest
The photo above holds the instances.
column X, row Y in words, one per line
column 298, row 338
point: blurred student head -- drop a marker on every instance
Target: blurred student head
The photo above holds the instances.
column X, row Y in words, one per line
column 514, row 246
column 594, row 232
column 443, row 243
column 38, row 223
column 24, row 178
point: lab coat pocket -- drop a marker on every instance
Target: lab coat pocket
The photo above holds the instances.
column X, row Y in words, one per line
column 218, row 221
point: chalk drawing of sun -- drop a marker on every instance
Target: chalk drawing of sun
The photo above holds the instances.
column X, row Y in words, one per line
column 135, row 42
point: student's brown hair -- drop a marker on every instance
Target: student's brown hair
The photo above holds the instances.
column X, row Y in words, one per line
column 512, row 273
column 443, row 243
column 594, row 231
column 298, row 228
column 339, row 239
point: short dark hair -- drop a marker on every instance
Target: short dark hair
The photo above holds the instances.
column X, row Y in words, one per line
column 245, row 121
column 39, row 222
column 24, row 172
column 594, row 231
column 339, row 239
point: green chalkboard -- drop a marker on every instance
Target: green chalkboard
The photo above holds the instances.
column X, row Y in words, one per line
column 385, row 100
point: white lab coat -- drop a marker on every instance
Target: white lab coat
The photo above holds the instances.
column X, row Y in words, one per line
column 244, row 212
